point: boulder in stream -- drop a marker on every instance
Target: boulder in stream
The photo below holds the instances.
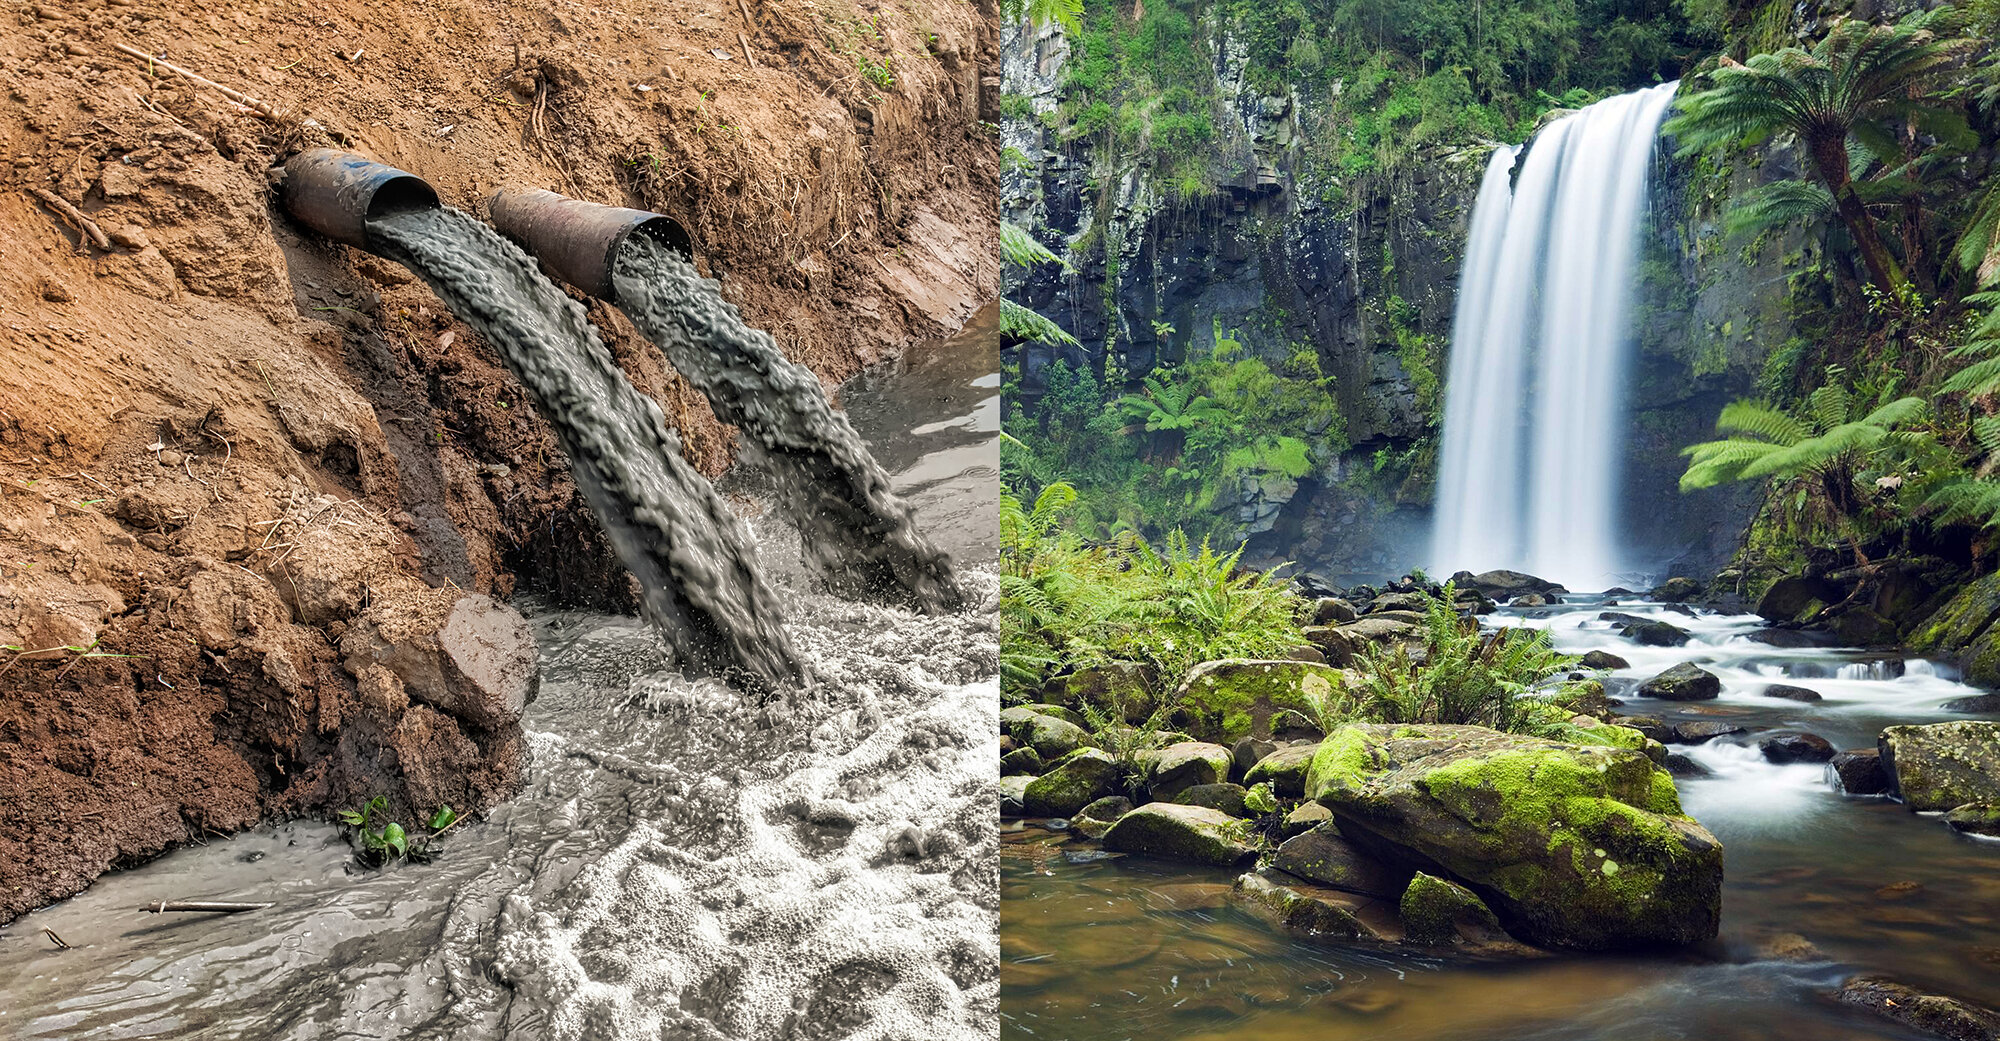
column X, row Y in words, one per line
column 1700, row 731
column 1975, row 818
column 1675, row 590
column 1229, row 798
column 1435, row 911
column 1655, row 633
column 1976, row 704
column 1794, row 747
column 1309, row 911
column 1322, row 856
column 1859, row 771
column 1233, row 698
column 1797, row 597
column 1073, row 782
column 1052, row 737
column 1571, row 845
column 1684, row 682
column 1938, row 1014
column 1285, row 768
column 1194, row 834
column 1502, row 584
column 1021, row 761
column 1603, row 660
column 1791, row 693
column 1183, row 765
column 1940, row 766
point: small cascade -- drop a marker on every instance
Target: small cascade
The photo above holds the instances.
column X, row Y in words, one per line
column 1528, row 477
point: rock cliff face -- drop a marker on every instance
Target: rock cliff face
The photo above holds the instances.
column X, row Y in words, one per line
column 1363, row 270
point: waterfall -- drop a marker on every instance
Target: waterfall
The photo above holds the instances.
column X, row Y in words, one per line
column 1534, row 399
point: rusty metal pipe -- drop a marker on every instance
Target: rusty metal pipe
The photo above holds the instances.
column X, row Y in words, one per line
column 578, row 241
column 337, row 193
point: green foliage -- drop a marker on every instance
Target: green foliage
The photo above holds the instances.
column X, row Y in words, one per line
column 1021, row 323
column 1066, row 13
column 389, row 841
column 1068, row 604
column 1862, row 89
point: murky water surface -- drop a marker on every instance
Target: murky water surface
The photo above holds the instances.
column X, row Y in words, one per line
column 1096, row 948
column 683, row 864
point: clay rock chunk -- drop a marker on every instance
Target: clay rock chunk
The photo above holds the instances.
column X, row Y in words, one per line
column 470, row 657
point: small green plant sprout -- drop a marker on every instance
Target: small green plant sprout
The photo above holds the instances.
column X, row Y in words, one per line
column 384, row 845
column 1163, row 329
column 444, row 818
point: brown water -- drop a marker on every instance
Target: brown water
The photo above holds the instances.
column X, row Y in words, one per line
column 1113, row 948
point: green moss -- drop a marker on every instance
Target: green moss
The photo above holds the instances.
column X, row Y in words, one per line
column 1432, row 910
column 1224, row 701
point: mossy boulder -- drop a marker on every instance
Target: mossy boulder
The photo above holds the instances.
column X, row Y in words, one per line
column 1303, row 909
column 1073, row 782
column 1322, row 856
column 1679, row 589
column 1436, row 911
column 1975, row 818
column 1505, row 585
column 1222, row 701
column 1386, row 630
column 1570, row 845
column 1939, row 766
column 1603, row 660
column 1684, row 682
column 1193, row 834
column 1303, row 818
column 1183, row 765
column 1021, row 761
column 1052, row 737
column 1229, row 798
column 1654, row 633
column 1133, row 685
column 1332, row 610
column 1935, row 1014
column 1285, row 769
column 1967, row 628
column 1796, row 596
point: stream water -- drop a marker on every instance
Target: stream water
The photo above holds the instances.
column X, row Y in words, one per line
column 684, row 863
column 1114, row 948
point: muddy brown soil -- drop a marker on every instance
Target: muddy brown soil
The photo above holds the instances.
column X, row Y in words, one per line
column 255, row 487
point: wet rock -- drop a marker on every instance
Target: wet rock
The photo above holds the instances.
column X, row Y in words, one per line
column 1859, row 772
column 1533, row 600
column 468, row 656
column 1435, row 911
column 1796, row 598
column 1170, row 831
column 1072, row 782
column 1983, row 704
column 1581, row 846
column 1285, row 769
column 1505, row 585
column 1650, row 726
column 1130, row 684
column 1684, row 682
column 1603, row 660
column 1946, row 1017
column 1967, row 628
column 1861, row 626
column 1680, row 765
column 1322, row 856
column 1303, row 909
column 1050, row 737
column 1304, row 817
column 1675, row 590
column 1698, row 731
column 1943, row 765
column 1796, row 748
column 1653, row 633
column 1225, row 797
column 1246, row 753
column 1021, row 761
column 1180, row 766
column 1107, row 809
column 1233, row 698
column 1012, row 795
column 1337, row 646
column 1062, row 712
column 1789, row 947
column 1332, row 610
column 1417, row 603
column 1791, row 693
column 1792, row 639
column 1386, row 630
column 1975, row 818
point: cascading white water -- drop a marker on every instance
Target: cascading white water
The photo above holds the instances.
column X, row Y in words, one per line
column 1534, row 397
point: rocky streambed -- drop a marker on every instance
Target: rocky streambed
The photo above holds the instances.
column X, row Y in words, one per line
column 1700, row 865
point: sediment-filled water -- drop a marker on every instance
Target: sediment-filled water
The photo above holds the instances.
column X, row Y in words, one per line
column 1529, row 470
column 855, row 531
column 697, row 573
column 1105, row 949
column 683, row 863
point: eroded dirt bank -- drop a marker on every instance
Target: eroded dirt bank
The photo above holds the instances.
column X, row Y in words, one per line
column 255, row 489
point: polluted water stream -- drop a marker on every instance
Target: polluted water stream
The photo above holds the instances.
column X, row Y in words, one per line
column 685, row 861
column 1818, row 886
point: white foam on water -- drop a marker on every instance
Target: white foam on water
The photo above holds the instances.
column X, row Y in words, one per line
column 853, row 891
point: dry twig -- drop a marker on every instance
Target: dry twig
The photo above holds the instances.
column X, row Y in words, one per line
column 84, row 225
column 255, row 107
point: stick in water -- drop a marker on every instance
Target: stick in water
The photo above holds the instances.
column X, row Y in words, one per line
column 209, row 906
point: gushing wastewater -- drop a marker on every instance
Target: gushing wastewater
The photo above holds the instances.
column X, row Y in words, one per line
column 698, row 576
column 855, row 531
